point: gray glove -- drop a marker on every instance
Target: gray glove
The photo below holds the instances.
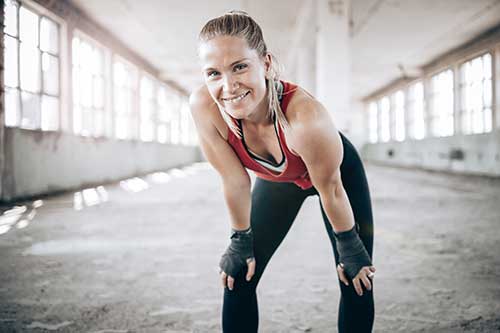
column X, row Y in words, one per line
column 352, row 252
column 241, row 248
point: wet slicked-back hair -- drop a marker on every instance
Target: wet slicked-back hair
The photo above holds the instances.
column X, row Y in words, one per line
column 240, row 24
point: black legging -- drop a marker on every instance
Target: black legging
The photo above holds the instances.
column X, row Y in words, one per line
column 274, row 208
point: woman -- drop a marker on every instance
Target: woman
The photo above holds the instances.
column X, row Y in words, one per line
column 248, row 119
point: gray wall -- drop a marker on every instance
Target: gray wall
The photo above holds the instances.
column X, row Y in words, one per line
column 480, row 153
column 39, row 162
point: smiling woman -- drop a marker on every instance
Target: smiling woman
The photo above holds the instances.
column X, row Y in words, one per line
column 247, row 118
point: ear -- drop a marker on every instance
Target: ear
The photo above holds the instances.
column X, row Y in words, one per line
column 268, row 62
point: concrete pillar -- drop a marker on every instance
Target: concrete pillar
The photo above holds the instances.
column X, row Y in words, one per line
column 2, row 102
column 333, row 63
column 495, row 108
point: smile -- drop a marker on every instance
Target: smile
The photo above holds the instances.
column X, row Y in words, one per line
column 237, row 98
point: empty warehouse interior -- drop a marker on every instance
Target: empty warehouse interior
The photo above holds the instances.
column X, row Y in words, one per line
column 114, row 215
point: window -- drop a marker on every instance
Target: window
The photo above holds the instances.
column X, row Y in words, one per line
column 89, row 82
column 185, row 121
column 372, row 122
column 165, row 113
column 147, row 109
column 476, row 92
column 416, row 124
column 398, row 116
column 385, row 107
column 125, row 93
column 175, row 125
column 32, row 69
column 441, row 102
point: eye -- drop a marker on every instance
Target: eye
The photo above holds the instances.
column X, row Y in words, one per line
column 240, row 67
column 212, row 74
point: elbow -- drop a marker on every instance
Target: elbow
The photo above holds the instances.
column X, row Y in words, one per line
column 238, row 184
column 331, row 187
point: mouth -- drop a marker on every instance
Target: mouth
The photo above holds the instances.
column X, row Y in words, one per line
column 236, row 98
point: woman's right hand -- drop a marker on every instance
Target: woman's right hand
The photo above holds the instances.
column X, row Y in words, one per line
column 238, row 255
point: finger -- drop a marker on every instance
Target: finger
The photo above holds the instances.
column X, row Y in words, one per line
column 366, row 281
column 230, row 282
column 342, row 277
column 372, row 268
column 223, row 277
column 251, row 269
column 357, row 286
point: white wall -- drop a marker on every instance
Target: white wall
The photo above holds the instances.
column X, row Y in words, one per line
column 481, row 153
column 39, row 162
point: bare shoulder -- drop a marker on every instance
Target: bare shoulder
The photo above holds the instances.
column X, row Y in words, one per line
column 306, row 114
column 311, row 123
column 204, row 110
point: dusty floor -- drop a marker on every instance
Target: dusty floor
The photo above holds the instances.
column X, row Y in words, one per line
column 131, row 258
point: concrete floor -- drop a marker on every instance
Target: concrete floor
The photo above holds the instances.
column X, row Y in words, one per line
column 130, row 257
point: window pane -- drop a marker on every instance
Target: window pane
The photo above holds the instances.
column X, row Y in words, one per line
column 10, row 74
column 121, row 129
column 28, row 25
column 399, row 115
column 30, row 68
column 87, row 120
column 10, row 18
column 75, row 45
column 77, row 119
column 49, row 36
column 161, row 134
column 12, row 107
column 76, row 86
column 98, row 92
column 50, row 113
column 487, row 91
column 487, row 66
column 442, row 104
column 487, row 120
column 97, row 62
column 385, row 120
column 31, row 110
column 50, row 68
column 86, row 89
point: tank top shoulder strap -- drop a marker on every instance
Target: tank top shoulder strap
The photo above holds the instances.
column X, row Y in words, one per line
column 287, row 91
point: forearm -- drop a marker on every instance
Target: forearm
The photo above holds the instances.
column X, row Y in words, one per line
column 337, row 207
column 238, row 201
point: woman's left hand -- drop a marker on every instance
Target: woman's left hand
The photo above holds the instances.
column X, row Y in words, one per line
column 364, row 275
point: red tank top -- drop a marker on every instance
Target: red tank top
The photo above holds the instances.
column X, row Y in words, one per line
column 295, row 170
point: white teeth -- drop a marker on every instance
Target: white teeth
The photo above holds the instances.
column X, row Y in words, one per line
column 235, row 99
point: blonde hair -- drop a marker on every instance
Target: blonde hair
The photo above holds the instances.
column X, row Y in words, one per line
column 240, row 24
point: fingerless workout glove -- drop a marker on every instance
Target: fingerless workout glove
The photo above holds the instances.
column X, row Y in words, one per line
column 237, row 253
column 352, row 252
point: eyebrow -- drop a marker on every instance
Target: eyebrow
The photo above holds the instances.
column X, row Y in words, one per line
column 232, row 64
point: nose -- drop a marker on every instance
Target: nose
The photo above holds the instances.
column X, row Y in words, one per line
column 230, row 84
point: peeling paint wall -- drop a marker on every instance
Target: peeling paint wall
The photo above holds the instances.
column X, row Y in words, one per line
column 46, row 162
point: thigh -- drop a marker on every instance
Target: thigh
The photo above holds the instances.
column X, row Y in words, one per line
column 356, row 186
column 274, row 208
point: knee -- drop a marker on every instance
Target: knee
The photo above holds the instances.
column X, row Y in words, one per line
column 242, row 287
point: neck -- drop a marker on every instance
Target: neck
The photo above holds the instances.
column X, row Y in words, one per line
column 260, row 118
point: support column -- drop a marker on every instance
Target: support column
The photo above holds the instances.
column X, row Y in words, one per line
column 495, row 107
column 333, row 61
column 2, row 101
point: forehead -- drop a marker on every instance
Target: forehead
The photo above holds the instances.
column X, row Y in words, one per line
column 223, row 50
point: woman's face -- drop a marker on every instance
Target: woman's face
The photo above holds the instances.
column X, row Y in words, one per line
column 234, row 74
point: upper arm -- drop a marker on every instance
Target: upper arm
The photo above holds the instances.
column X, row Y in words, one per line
column 215, row 148
column 318, row 142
